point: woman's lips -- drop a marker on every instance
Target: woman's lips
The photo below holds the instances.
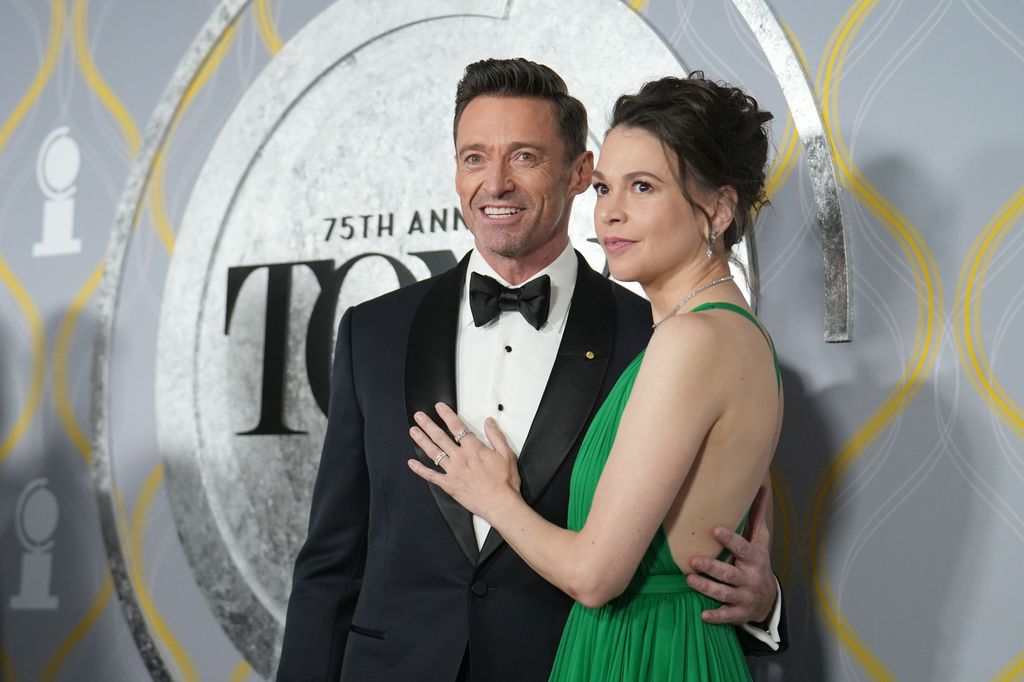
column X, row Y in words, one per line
column 616, row 244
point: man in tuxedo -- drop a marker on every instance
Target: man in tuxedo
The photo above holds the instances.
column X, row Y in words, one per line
column 396, row 581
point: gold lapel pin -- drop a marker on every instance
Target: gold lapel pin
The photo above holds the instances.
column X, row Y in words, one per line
column 589, row 355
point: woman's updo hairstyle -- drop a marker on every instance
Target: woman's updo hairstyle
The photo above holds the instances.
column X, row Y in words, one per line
column 717, row 133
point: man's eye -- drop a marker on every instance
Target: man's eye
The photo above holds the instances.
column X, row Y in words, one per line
column 525, row 156
column 472, row 159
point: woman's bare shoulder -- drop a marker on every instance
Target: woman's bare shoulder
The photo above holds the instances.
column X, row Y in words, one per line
column 682, row 355
column 687, row 338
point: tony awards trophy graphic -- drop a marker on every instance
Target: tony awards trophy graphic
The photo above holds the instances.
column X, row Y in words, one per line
column 35, row 521
column 56, row 170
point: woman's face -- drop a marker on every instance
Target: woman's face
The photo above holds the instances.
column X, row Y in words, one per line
column 647, row 228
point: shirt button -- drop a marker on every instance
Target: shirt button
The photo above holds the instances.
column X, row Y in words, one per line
column 479, row 588
column 508, row 349
column 501, row 408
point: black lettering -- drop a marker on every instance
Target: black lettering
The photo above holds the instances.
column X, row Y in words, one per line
column 348, row 226
column 439, row 220
column 382, row 228
column 457, row 219
column 417, row 223
column 321, row 322
column 320, row 331
column 275, row 337
column 331, row 222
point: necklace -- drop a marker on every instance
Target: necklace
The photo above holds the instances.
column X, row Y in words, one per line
column 690, row 295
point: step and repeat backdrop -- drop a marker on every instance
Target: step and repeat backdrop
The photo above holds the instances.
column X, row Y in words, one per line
column 192, row 193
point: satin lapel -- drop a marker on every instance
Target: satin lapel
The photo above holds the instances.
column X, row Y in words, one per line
column 572, row 387
column 430, row 378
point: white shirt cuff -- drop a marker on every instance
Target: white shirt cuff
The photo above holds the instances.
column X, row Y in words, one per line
column 769, row 637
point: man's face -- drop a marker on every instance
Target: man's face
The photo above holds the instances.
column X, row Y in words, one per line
column 513, row 179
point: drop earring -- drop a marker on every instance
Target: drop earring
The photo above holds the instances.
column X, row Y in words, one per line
column 712, row 235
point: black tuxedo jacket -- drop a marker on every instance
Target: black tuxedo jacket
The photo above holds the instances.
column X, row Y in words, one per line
column 389, row 584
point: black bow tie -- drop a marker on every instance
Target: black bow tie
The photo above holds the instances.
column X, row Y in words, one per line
column 487, row 298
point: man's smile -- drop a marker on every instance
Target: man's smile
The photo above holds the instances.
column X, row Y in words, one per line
column 500, row 210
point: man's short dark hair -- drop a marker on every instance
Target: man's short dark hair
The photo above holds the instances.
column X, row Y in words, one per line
column 520, row 77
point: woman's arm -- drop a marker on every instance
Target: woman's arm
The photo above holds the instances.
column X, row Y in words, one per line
column 675, row 401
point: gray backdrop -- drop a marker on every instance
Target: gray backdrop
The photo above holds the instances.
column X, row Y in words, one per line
column 899, row 514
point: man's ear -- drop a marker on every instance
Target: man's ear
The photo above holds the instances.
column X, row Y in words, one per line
column 726, row 199
column 581, row 173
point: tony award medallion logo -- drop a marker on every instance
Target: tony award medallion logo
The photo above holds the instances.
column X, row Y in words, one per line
column 35, row 522
column 56, row 171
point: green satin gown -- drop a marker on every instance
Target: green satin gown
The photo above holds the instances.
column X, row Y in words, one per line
column 652, row 632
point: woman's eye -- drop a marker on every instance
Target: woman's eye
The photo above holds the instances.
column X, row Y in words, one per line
column 600, row 189
column 642, row 186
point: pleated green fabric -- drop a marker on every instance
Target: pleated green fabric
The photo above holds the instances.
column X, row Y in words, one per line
column 653, row 631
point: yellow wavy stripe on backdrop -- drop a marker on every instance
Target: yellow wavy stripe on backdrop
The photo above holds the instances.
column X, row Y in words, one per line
column 54, row 45
column 99, row 604
column 922, row 358
column 42, row 76
column 157, row 197
column 240, row 672
column 6, row 667
column 970, row 341
column 267, row 28
column 136, row 562
column 825, row 603
column 78, row 632
column 1013, row 671
column 37, row 375
column 65, row 333
column 130, row 133
column 37, row 335
column 788, row 150
column 136, row 567
column 166, row 233
column 95, row 79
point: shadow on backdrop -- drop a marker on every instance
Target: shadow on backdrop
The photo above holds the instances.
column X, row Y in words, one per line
column 804, row 444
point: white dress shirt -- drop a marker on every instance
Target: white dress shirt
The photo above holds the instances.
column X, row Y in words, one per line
column 502, row 368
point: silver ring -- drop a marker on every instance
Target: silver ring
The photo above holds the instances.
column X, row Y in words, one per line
column 440, row 456
column 460, row 435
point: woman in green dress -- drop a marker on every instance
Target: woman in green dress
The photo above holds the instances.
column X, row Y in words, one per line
column 686, row 436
